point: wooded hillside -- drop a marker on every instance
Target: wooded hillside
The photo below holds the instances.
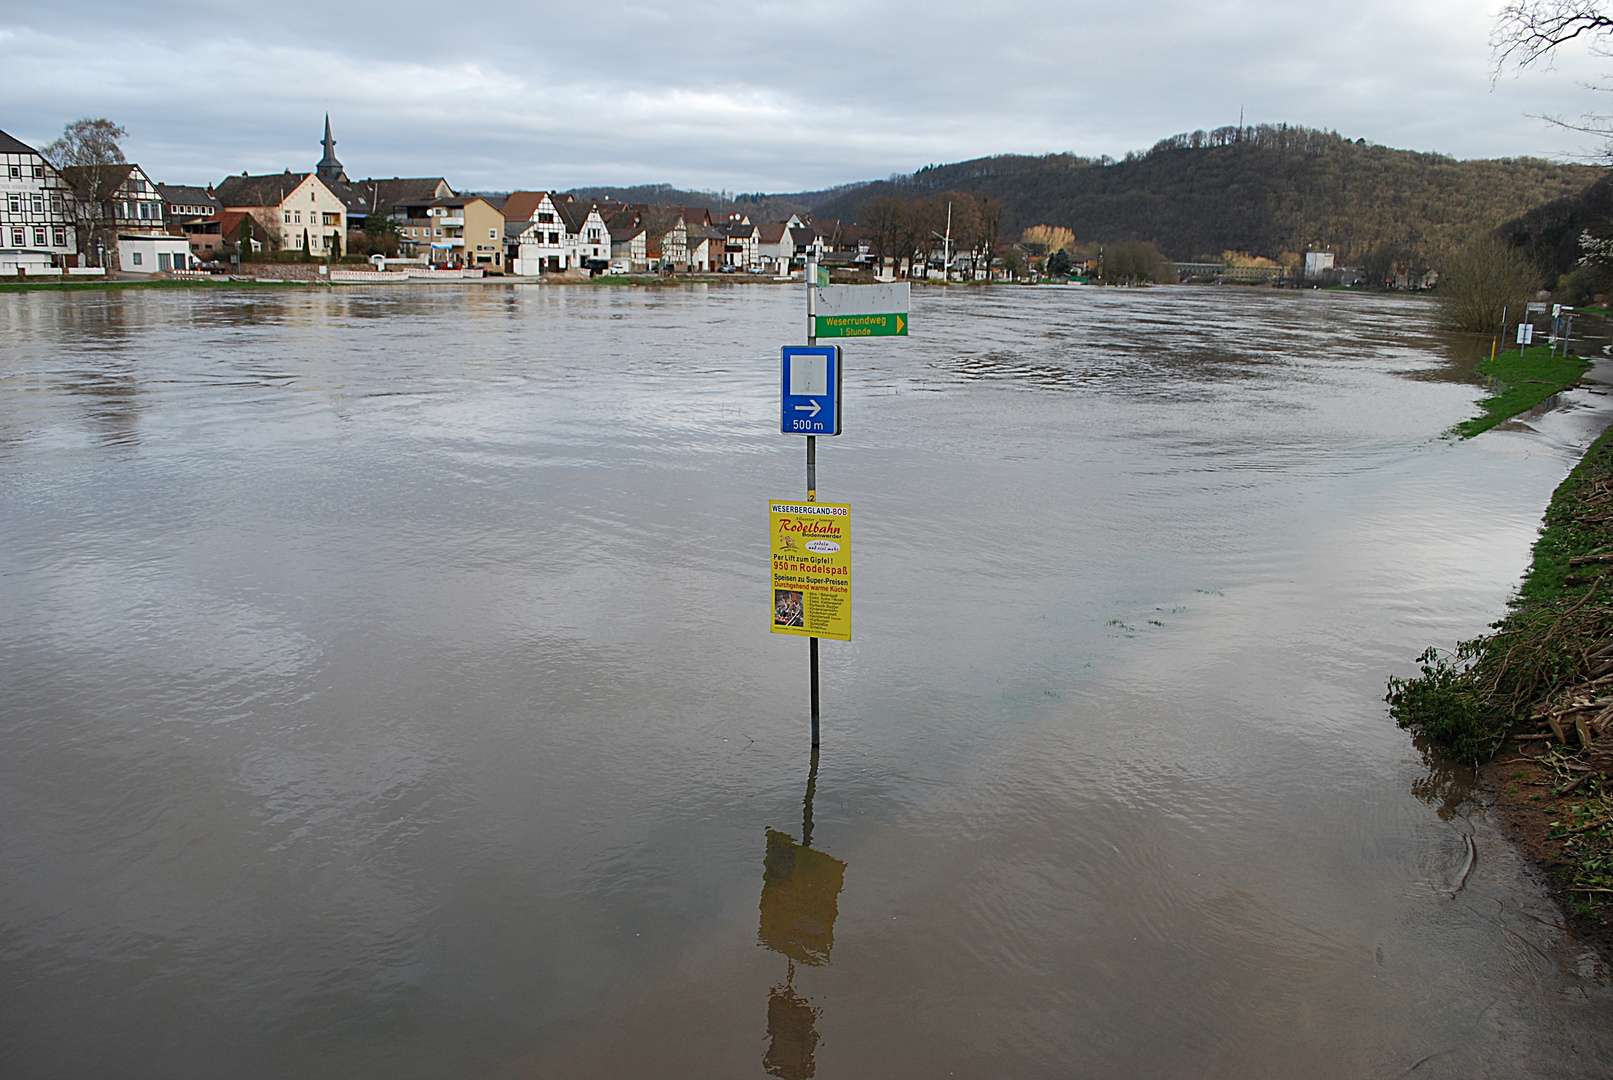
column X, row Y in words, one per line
column 1550, row 233
column 1263, row 190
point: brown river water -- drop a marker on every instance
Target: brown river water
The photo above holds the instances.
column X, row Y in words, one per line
column 386, row 690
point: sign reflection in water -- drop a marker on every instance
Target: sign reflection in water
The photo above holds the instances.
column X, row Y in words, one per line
column 800, row 897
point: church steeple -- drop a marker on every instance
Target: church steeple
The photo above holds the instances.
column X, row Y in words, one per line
column 329, row 168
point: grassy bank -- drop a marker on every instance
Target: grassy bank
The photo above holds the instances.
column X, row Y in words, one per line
column 1531, row 703
column 1523, row 379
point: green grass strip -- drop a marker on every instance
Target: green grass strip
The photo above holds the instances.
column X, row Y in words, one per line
column 1571, row 528
column 1523, row 380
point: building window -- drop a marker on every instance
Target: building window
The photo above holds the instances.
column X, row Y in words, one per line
column 39, row 206
column 288, row 217
column 16, row 170
column 165, row 261
column 546, row 219
column 492, row 234
column 16, row 204
column 39, row 172
column 554, row 238
column 296, row 216
column 59, row 236
column 39, row 237
column 17, row 238
column 137, row 258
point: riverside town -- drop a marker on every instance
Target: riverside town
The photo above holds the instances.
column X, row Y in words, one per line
column 111, row 217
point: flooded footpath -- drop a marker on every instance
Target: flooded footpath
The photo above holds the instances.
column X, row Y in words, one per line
column 386, row 688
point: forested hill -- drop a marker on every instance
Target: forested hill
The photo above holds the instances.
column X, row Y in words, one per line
column 1263, row 190
column 1550, row 233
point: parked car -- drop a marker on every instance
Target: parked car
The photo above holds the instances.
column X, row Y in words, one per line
column 620, row 266
column 728, row 268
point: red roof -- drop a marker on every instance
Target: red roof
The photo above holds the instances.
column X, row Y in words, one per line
column 521, row 205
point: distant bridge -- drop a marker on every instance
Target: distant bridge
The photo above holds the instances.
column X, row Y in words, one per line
column 1243, row 275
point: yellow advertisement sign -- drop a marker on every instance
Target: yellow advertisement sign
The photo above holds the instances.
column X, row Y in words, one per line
column 811, row 545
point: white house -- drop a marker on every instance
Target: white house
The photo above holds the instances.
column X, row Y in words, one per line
column 742, row 243
column 34, row 229
column 775, row 246
column 553, row 233
column 145, row 245
column 152, row 253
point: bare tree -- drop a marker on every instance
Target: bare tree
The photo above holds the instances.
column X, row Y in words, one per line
column 965, row 219
column 1133, row 264
column 883, row 217
column 924, row 219
column 91, row 164
column 1483, row 280
column 990, row 234
column 1529, row 32
column 659, row 222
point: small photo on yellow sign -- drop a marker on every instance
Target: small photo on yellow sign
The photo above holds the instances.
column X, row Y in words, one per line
column 811, row 545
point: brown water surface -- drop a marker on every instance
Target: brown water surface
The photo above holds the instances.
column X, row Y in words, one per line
column 386, row 689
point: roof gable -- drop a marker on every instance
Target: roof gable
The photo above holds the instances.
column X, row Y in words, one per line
column 404, row 190
column 270, row 190
column 9, row 145
column 521, row 205
column 187, row 194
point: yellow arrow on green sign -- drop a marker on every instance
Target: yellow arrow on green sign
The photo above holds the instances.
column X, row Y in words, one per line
column 887, row 325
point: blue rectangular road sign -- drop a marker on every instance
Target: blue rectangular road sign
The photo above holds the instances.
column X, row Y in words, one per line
column 811, row 390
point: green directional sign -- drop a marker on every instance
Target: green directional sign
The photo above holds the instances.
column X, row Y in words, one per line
column 890, row 324
column 862, row 310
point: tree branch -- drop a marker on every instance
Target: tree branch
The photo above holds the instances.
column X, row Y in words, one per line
column 1530, row 31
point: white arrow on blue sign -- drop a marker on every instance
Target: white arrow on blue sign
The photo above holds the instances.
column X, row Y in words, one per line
column 811, row 390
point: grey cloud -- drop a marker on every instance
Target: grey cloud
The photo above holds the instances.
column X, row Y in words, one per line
column 765, row 96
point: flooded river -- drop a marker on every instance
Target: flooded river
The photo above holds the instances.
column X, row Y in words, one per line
column 387, row 691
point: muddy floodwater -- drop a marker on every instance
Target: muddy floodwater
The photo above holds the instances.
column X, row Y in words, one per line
column 386, row 690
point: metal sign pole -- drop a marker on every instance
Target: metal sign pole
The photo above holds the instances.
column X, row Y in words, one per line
column 811, row 276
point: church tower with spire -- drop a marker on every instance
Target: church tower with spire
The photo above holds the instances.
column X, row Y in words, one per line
column 329, row 168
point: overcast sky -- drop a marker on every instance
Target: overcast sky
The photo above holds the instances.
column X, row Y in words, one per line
column 757, row 96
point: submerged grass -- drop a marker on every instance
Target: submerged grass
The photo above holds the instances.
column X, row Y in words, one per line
column 1470, row 701
column 1524, row 378
column 1542, row 681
